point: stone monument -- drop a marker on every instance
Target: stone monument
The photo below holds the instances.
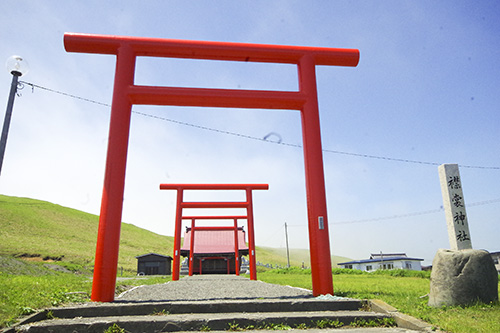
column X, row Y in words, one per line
column 461, row 275
column 454, row 207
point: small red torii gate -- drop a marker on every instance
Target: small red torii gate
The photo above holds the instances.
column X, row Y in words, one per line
column 181, row 205
column 235, row 218
column 126, row 94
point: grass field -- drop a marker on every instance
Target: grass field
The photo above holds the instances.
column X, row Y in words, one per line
column 46, row 259
column 28, row 287
column 405, row 290
column 23, row 294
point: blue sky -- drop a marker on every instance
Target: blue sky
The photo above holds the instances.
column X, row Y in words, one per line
column 426, row 89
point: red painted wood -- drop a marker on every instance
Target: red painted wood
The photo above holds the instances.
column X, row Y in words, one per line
column 125, row 93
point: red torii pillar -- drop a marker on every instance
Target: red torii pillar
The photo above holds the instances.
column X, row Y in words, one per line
column 126, row 93
column 181, row 204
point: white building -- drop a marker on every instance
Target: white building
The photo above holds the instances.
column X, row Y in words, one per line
column 496, row 260
column 385, row 261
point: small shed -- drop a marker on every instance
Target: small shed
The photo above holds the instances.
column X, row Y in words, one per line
column 154, row 264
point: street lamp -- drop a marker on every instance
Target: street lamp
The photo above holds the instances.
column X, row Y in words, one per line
column 16, row 66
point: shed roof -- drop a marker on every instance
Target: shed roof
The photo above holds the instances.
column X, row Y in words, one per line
column 214, row 242
column 153, row 254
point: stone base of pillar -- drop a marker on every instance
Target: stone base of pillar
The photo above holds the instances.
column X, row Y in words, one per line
column 462, row 277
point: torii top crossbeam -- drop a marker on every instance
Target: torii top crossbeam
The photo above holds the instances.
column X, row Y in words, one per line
column 176, row 48
column 155, row 47
column 126, row 93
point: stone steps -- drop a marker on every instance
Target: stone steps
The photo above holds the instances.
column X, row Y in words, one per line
column 199, row 315
column 217, row 302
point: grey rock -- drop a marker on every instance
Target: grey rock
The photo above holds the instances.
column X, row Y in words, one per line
column 462, row 277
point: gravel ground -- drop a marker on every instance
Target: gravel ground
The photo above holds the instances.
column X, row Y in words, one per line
column 212, row 287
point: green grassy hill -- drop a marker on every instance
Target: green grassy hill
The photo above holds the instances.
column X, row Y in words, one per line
column 39, row 230
column 297, row 257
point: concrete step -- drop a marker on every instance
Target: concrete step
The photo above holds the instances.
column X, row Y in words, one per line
column 199, row 321
column 227, row 306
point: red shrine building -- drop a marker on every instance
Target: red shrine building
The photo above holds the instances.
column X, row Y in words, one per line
column 214, row 250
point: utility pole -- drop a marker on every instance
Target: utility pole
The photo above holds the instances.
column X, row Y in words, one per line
column 16, row 66
column 287, row 251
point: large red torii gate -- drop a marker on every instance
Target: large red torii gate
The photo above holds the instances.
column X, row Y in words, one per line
column 126, row 93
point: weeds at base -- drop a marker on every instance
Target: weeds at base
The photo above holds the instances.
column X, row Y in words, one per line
column 326, row 323
column 321, row 324
column 384, row 322
column 115, row 329
column 160, row 313
column 50, row 315
column 274, row 327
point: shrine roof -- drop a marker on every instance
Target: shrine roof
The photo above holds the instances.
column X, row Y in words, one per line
column 214, row 242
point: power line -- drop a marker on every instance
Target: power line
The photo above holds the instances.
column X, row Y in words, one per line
column 273, row 234
column 264, row 139
column 432, row 211
column 398, row 216
column 376, row 219
column 33, row 86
